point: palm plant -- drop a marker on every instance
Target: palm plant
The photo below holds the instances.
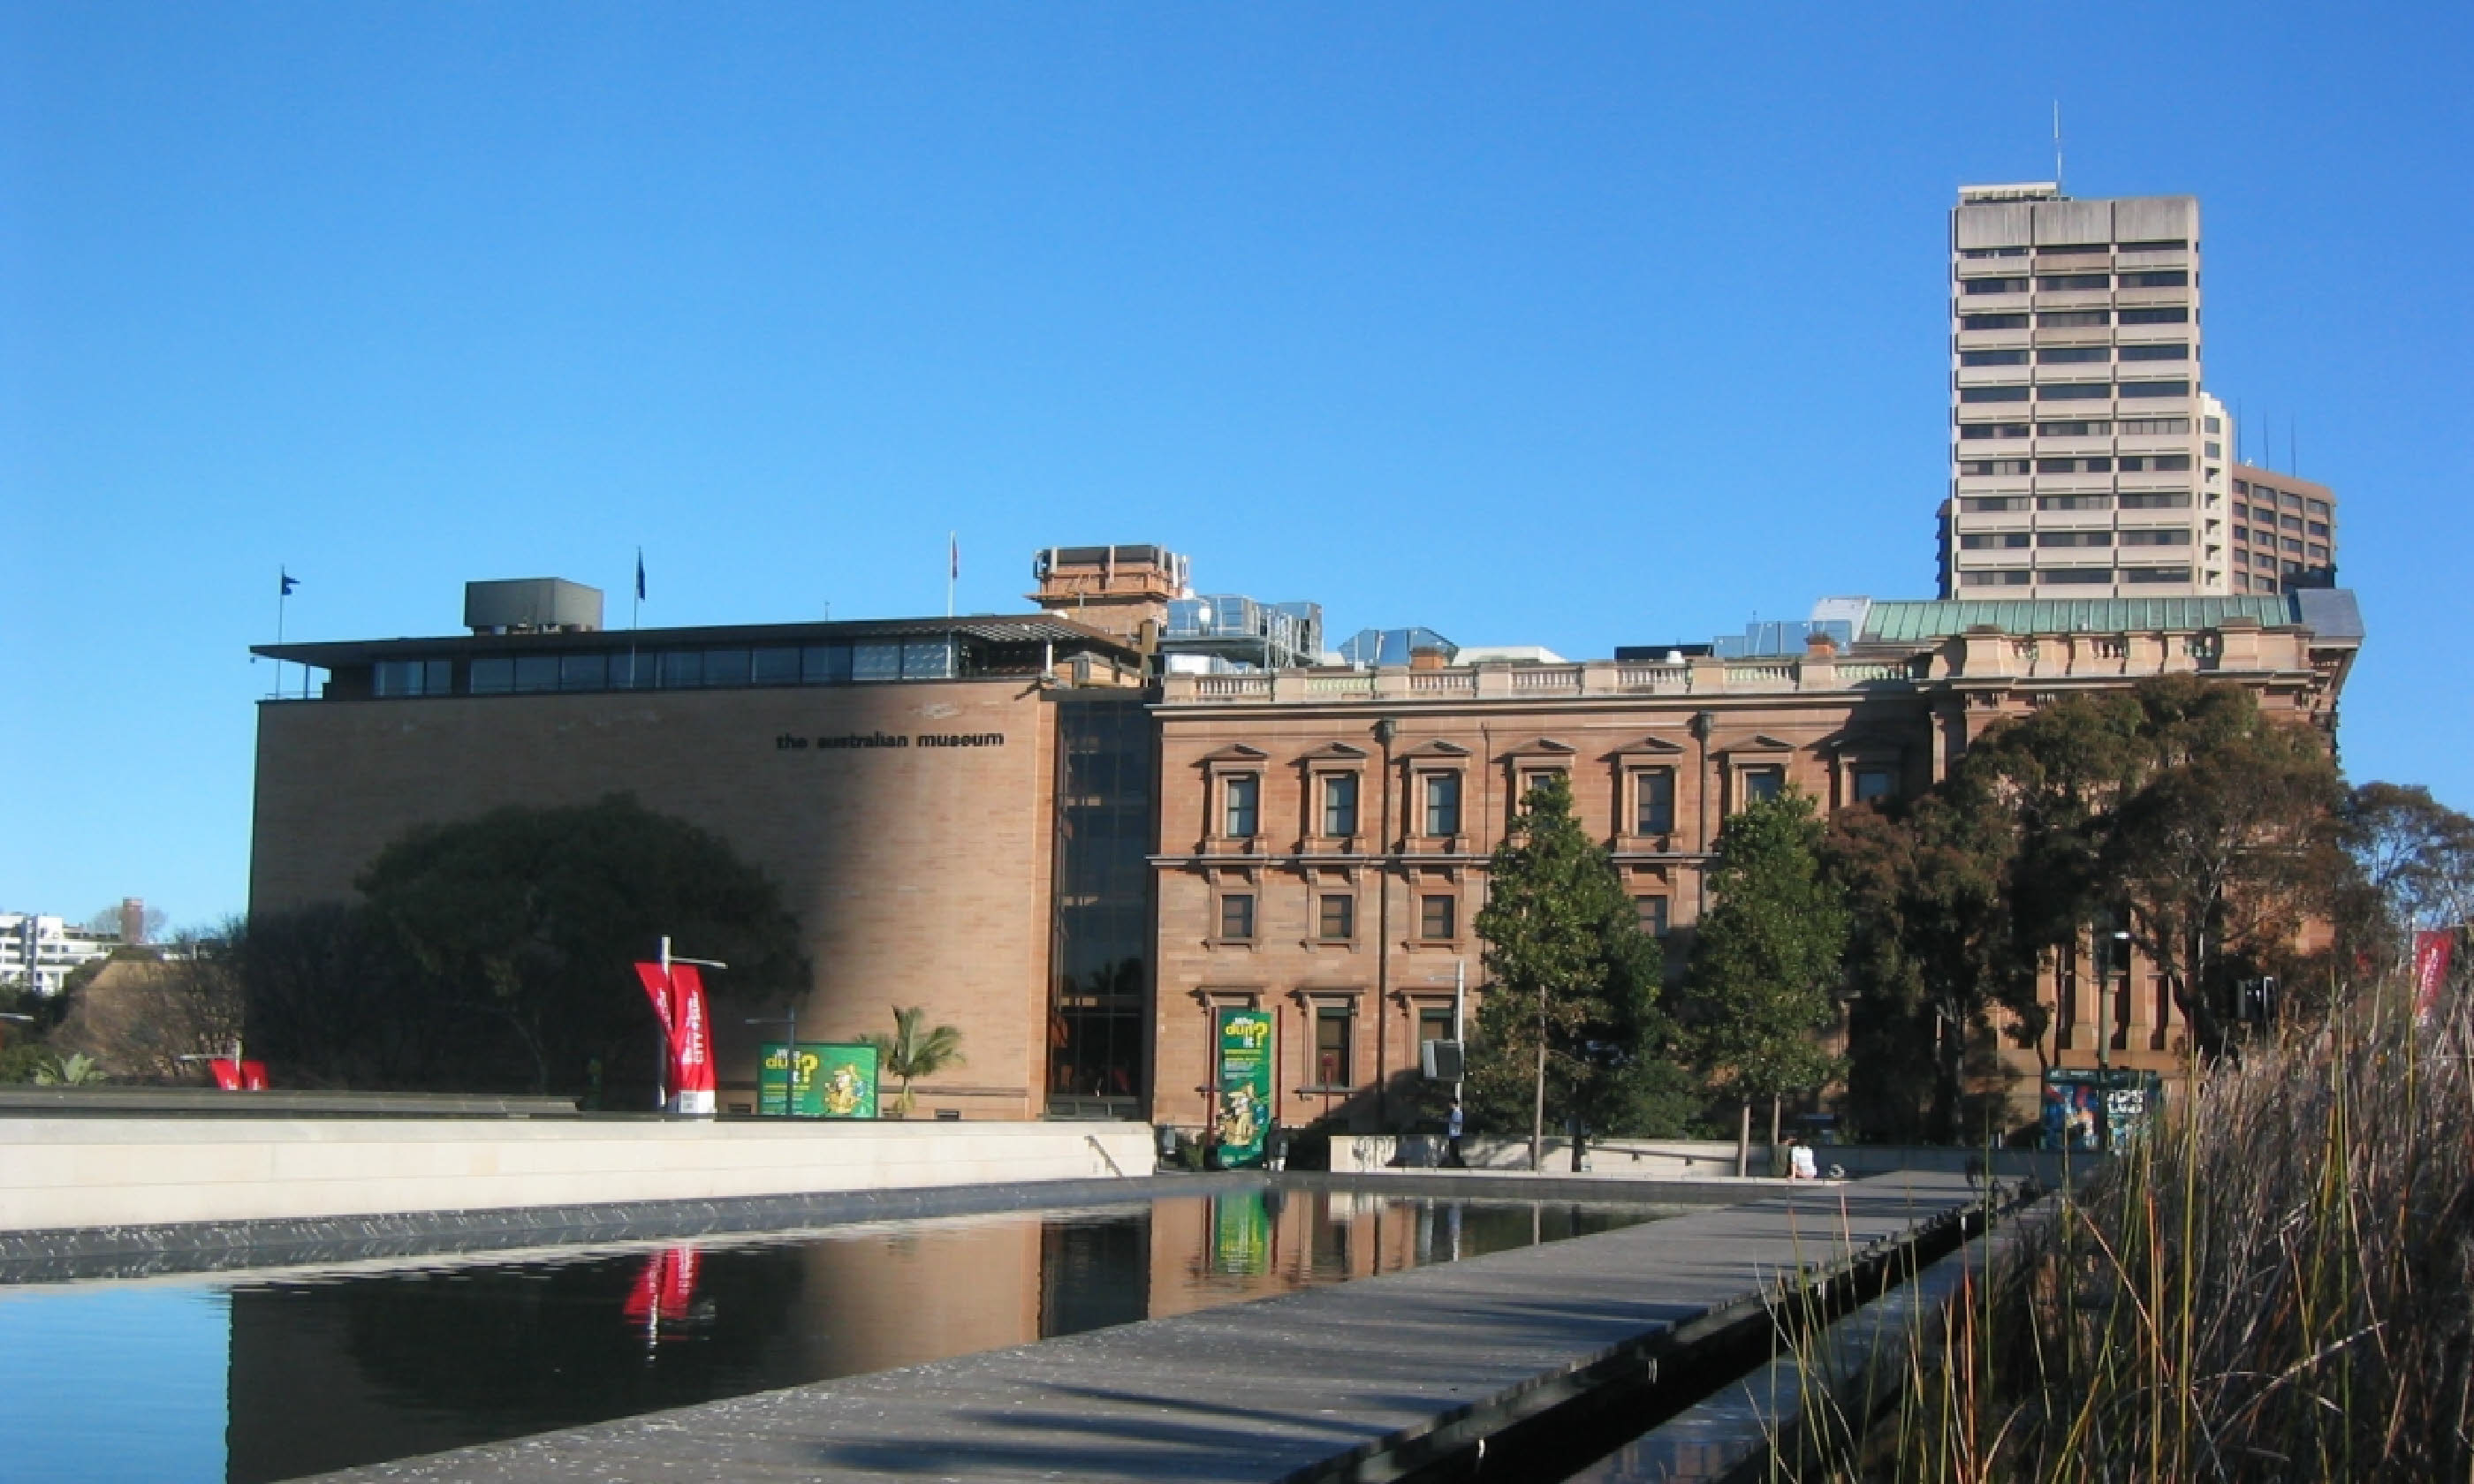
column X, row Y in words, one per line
column 914, row 1050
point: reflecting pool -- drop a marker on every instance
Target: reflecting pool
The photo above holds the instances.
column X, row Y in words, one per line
column 277, row 1374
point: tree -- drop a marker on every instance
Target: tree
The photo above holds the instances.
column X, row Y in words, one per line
column 147, row 1015
column 2223, row 849
column 2413, row 860
column 517, row 932
column 1767, row 959
column 914, row 1050
column 1932, row 955
column 1570, row 1011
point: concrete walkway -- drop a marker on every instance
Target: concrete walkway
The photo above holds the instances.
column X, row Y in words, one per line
column 1248, row 1394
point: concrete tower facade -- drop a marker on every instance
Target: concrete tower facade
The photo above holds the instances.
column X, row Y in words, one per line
column 2081, row 439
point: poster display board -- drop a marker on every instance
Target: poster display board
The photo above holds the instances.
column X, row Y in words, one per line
column 845, row 1078
column 1243, row 1114
column 786, row 1084
column 2076, row 1099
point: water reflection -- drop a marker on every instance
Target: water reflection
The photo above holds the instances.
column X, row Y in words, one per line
column 329, row 1370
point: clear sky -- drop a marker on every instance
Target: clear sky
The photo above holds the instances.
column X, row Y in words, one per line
column 1566, row 325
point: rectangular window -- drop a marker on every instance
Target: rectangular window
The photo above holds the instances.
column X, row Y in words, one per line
column 2082, row 428
column 876, row 661
column 1762, row 784
column 2075, row 502
column 1443, row 805
column 725, row 667
column 1992, row 358
column 2172, row 313
column 2168, row 536
column 2289, row 522
column 2073, row 538
column 2156, row 463
column 2319, row 508
column 1991, row 540
column 2158, row 499
column 1993, row 430
column 1532, row 780
column 2074, row 466
column 1983, row 252
column 1649, row 914
column 2214, row 450
column 1993, row 394
column 2072, row 355
column 2293, row 545
column 2062, row 284
column 825, row 664
column 2071, row 319
column 1333, row 1027
column 2075, row 576
column 1875, row 784
column 583, row 672
column 1433, row 1023
column 1992, row 504
column 536, row 672
column 777, row 666
column 1437, row 918
column 1241, row 798
column 927, row 660
column 2014, row 578
column 1653, row 801
column 1237, row 916
column 2152, row 427
column 1993, row 286
column 1339, row 805
column 2320, row 530
column 2178, row 350
column 2075, row 392
column 414, row 677
column 1983, row 466
column 2158, row 244
column 1993, row 322
column 2156, row 389
column 1336, row 917
column 2156, row 574
column 2158, row 278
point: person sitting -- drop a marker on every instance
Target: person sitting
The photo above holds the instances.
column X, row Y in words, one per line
column 1801, row 1164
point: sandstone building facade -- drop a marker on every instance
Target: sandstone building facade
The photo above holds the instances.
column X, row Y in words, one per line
column 1038, row 831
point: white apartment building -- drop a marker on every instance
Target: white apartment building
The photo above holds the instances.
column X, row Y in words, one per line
column 2086, row 461
column 37, row 951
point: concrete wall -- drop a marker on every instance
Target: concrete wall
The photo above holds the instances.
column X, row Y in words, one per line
column 85, row 1172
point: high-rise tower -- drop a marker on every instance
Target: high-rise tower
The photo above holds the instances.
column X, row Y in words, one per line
column 2085, row 460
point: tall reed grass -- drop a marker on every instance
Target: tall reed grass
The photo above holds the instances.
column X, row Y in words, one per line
column 2278, row 1283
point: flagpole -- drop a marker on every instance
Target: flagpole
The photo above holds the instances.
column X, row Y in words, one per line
column 953, row 569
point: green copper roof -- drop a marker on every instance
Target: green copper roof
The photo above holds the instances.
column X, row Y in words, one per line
column 1894, row 622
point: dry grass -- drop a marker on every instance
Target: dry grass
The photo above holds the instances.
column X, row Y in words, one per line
column 2278, row 1285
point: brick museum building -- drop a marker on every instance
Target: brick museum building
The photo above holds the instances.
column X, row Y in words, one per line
column 1076, row 832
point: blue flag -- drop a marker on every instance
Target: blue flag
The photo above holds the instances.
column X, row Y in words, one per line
column 640, row 574
column 289, row 583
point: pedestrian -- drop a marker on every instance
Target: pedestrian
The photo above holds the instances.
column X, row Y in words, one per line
column 1803, row 1165
column 1452, row 1159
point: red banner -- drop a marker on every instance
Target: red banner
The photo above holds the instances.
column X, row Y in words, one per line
column 2431, row 951
column 664, row 1291
column 686, row 1029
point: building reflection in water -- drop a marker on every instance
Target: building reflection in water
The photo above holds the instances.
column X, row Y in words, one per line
column 361, row 1367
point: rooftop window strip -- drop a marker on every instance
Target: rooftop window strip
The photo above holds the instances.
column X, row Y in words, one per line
column 672, row 669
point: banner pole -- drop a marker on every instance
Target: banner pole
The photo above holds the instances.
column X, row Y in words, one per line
column 662, row 1063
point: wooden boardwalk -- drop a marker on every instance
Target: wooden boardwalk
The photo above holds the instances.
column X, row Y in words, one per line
column 1246, row 1394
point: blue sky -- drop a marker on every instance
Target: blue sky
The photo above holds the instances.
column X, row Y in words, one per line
column 1569, row 324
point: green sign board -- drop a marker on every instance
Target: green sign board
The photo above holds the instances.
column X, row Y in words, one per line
column 815, row 1080
column 1240, row 1235
column 1243, row 1114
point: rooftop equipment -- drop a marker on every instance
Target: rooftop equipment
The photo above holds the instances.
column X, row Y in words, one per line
column 531, row 605
column 1384, row 648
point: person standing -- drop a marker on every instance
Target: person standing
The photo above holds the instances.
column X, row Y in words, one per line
column 1452, row 1139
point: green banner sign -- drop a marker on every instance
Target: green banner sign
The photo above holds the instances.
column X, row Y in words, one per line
column 1245, row 1112
column 845, row 1080
column 815, row 1080
column 1240, row 1235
